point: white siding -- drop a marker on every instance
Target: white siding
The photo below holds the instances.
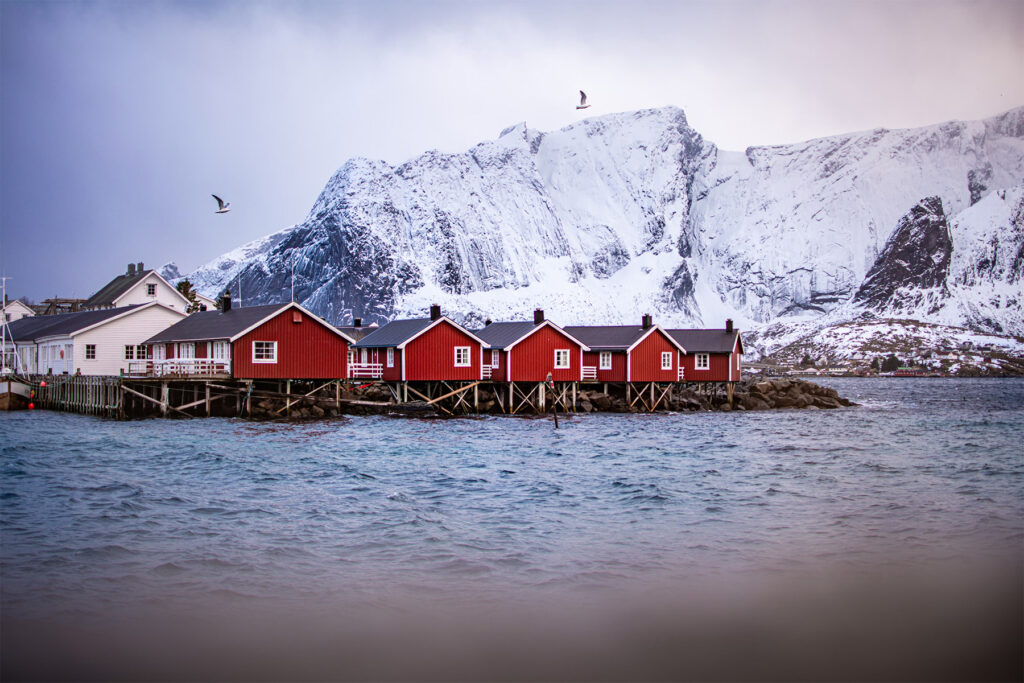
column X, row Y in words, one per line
column 165, row 294
column 15, row 310
column 111, row 338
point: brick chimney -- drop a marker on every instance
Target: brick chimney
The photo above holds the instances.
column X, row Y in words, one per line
column 538, row 316
column 435, row 311
column 225, row 301
column 647, row 322
column 131, row 269
column 728, row 325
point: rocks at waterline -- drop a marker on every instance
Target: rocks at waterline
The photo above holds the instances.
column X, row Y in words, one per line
column 748, row 395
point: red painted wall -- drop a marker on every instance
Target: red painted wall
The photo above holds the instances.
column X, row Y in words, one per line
column 645, row 360
column 718, row 372
column 618, row 369
column 431, row 356
column 533, row 358
column 305, row 350
column 497, row 373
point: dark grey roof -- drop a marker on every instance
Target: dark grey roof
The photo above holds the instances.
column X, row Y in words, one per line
column 394, row 333
column 358, row 333
column 207, row 325
column 35, row 327
column 607, row 337
column 500, row 335
column 113, row 289
column 706, row 341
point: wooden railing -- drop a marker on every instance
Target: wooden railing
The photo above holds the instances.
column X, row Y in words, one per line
column 179, row 367
column 366, row 370
column 589, row 372
column 680, row 374
column 486, row 371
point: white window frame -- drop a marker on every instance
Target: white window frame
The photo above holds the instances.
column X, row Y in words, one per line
column 666, row 360
column 702, row 361
column 90, row 352
column 220, row 350
column 605, row 360
column 495, row 358
column 150, row 289
column 129, row 351
column 464, row 352
column 562, row 359
column 184, row 350
column 391, row 357
column 267, row 354
column 160, row 352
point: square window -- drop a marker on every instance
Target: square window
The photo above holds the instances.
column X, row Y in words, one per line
column 702, row 361
column 666, row 360
column 90, row 352
column 561, row 359
column 150, row 290
column 462, row 356
column 129, row 352
column 606, row 360
column 264, row 352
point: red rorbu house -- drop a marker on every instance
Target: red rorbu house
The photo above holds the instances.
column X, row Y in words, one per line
column 430, row 349
column 529, row 351
column 277, row 341
column 712, row 355
column 630, row 353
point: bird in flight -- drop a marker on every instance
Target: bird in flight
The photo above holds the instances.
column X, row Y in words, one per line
column 583, row 101
column 222, row 206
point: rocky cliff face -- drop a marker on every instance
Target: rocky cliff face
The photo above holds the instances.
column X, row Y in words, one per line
column 910, row 273
column 631, row 213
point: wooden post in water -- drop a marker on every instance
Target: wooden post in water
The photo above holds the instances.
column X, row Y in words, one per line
column 207, row 399
column 163, row 398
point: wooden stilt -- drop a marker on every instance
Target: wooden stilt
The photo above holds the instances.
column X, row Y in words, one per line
column 207, row 399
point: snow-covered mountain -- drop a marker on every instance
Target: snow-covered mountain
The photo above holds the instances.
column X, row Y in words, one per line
column 630, row 213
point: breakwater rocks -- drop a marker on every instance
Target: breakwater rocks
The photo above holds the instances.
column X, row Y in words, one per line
column 746, row 396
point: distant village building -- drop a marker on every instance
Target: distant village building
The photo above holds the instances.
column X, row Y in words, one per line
column 16, row 310
column 137, row 286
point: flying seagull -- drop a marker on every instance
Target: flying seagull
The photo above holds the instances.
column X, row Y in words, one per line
column 583, row 101
column 222, row 206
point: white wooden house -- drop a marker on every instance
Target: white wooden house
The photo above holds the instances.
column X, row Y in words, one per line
column 136, row 286
column 100, row 342
column 15, row 310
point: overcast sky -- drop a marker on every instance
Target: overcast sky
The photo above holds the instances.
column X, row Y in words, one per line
column 119, row 119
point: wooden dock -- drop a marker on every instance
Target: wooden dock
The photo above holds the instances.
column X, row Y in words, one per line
column 123, row 398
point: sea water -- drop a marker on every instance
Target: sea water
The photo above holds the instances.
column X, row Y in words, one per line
column 105, row 522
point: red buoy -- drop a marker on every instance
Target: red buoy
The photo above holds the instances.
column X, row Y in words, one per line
column 31, row 406
column 43, row 383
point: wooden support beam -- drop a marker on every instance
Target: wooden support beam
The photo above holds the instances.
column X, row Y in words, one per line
column 408, row 388
column 452, row 393
column 163, row 406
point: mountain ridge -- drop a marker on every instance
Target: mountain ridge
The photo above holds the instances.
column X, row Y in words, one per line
column 634, row 212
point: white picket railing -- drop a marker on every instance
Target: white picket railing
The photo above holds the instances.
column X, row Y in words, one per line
column 589, row 372
column 366, row 370
column 179, row 367
column 680, row 374
column 485, row 372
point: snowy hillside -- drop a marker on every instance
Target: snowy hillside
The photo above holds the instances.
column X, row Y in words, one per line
column 630, row 213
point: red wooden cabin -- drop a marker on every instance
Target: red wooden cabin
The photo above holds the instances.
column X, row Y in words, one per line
column 527, row 352
column 627, row 353
column 420, row 350
column 712, row 355
column 277, row 341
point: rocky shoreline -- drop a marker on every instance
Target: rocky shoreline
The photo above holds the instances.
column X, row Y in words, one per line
column 748, row 395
